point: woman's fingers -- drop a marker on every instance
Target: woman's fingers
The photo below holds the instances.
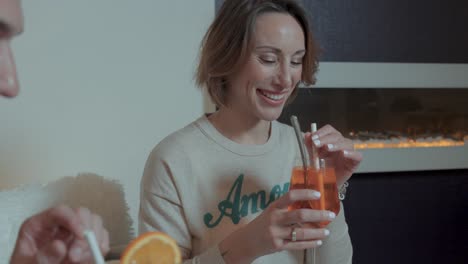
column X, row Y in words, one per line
column 303, row 233
column 299, row 245
column 295, row 195
column 354, row 156
column 304, row 237
column 328, row 144
column 325, row 130
column 328, row 138
column 300, row 216
column 325, row 140
column 332, row 142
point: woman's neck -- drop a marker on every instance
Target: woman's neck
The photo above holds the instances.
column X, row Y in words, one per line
column 240, row 127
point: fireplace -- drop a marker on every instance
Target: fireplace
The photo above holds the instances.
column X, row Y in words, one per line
column 401, row 129
column 407, row 203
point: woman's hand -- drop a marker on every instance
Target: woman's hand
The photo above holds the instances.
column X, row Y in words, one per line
column 56, row 236
column 272, row 230
column 336, row 149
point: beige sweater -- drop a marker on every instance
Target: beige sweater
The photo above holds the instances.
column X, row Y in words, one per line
column 199, row 187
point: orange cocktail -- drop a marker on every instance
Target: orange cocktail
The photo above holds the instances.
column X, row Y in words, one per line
column 322, row 180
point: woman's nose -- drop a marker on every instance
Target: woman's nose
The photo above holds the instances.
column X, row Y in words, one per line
column 8, row 80
column 283, row 76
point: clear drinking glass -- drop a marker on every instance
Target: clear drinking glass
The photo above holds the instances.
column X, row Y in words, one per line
column 322, row 180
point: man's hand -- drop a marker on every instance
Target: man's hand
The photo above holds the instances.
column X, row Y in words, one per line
column 56, row 236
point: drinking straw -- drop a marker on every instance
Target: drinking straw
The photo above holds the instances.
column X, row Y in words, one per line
column 314, row 158
column 305, row 164
column 93, row 245
column 300, row 141
column 321, row 183
column 319, row 165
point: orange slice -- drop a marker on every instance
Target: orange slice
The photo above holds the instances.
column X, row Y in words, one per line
column 152, row 247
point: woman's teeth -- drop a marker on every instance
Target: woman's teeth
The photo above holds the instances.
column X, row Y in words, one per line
column 275, row 97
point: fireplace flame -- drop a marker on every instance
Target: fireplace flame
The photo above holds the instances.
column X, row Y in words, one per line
column 393, row 139
column 408, row 143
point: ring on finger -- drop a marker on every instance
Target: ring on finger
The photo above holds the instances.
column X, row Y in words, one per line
column 294, row 235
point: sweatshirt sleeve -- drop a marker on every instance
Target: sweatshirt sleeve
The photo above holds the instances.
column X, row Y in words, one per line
column 161, row 208
column 337, row 248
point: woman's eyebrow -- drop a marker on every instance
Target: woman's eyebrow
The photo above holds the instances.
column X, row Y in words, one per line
column 276, row 50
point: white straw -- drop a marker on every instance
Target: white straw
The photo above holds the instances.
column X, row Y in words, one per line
column 314, row 158
column 93, row 245
column 316, row 162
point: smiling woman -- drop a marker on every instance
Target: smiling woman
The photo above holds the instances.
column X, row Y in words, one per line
column 226, row 50
column 270, row 72
column 219, row 186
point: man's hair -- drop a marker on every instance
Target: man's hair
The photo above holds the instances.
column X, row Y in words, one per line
column 227, row 43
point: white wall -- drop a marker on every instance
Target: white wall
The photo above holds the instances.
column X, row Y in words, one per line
column 102, row 82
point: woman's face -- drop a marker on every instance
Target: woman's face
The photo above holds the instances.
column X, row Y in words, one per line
column 272, row 70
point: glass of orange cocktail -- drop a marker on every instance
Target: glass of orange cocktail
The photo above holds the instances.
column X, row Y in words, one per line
column 323, row 180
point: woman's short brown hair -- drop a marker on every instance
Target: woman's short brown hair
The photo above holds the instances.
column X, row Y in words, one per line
column 227, row 43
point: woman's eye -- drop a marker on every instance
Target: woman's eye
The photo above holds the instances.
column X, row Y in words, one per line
column 296, row 63
column 268, row 60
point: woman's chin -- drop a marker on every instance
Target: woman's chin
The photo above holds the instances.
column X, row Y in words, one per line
column 270, row 114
